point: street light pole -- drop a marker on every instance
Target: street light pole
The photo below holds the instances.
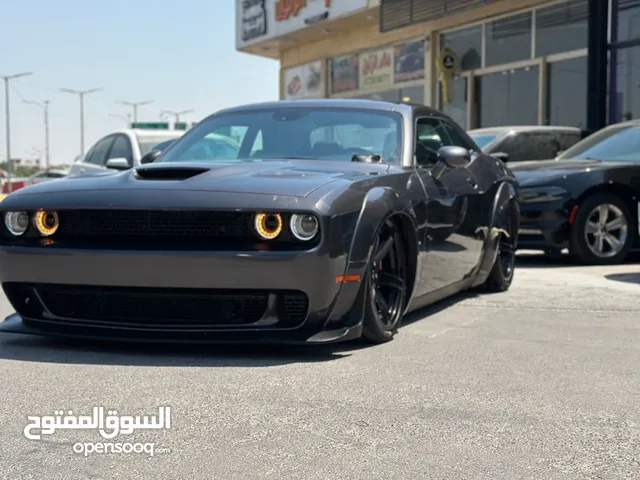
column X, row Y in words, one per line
column 45, row 108
column 134, row 106
column 7, row 111
column 81, row 94
column 126, row 118
column 176, row 115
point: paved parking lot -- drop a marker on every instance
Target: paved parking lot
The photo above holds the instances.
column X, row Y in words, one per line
column 541, row 382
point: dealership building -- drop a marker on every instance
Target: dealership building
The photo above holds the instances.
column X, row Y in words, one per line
column 483, row 62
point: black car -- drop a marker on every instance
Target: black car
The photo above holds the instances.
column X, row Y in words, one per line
column 586, row 200
column 525, row 143
column 326, row 225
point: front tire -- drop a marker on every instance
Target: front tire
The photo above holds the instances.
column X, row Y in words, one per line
column 385, row 285
column 501, row 275
column 604, row 230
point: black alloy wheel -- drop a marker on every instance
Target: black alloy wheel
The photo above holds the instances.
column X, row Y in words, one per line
column 386, row 284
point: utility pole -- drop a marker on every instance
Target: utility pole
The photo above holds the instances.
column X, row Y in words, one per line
column 45, row 108
column 81, row 94
column 176, row 115
column 134, row 106
column 7, row 111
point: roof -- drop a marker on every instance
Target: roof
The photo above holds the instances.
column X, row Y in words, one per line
column 327, row 103
column 525, row 128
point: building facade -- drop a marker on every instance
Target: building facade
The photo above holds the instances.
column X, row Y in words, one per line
column 484, row 62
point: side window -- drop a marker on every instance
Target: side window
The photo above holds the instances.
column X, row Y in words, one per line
column 539, row 146
column 568, row 139
column 511, row 146
column 431, row 134
column 122, row 149
column 98, row 155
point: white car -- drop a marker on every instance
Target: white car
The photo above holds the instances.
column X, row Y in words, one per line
column 46, row 175
column 121, row 150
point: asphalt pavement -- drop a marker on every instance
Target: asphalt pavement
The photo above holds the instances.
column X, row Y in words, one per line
column 541, row 382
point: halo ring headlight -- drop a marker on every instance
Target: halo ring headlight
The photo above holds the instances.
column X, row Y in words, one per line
column 304, row 226
column 268, row 225
column 46, row 222
column 17, row 223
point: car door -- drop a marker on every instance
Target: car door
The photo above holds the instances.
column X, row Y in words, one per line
column 455, row 205
column 121, row 148
column 93, row 163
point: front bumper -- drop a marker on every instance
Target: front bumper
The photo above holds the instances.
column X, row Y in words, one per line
column 544, row 225
column 43, row 284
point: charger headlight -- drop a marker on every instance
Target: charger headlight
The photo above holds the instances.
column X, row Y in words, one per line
column 17, row 223
column 304, row 226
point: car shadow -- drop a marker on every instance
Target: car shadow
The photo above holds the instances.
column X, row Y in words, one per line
column 624, row 277
column 29, row 348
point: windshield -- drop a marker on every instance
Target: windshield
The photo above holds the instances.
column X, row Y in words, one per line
column 617, row 143
column 149, row 143
column 483, row 139
column 298, row 133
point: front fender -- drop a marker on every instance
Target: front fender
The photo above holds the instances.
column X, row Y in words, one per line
column 378, row 205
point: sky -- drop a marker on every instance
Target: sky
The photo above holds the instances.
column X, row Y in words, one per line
column 181, row 55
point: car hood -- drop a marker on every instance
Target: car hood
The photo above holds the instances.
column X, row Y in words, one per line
column 298, row 178
column 538, row 172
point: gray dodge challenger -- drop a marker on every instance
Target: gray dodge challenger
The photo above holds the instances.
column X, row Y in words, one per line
column 333, row 220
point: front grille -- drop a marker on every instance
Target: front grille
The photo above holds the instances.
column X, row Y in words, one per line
column 154, row 223
column 166, row 308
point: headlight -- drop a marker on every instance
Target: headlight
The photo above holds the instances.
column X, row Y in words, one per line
column 46, row 222
column 267, row 225
column 16, row 222
column 542, row 194
column 303, row 227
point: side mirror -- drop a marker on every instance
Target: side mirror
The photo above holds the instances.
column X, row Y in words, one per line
column 150, row 157
column 454, row 157
column 118, row 164
column 501, row 156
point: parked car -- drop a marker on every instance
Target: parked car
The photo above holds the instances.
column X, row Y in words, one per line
column 524, row 143
column 46, row 175
column 121, row 150
column 302, row 235
column 585, row 200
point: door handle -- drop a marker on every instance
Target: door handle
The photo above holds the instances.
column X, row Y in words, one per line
column 82, row 170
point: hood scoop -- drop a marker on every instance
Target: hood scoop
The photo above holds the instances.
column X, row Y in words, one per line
column 169, row 173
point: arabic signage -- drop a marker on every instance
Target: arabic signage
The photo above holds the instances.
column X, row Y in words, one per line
column 376, row 69
column 408, row 61
column 286, row 16
column 344, row 74
column 252, row 19
column 304, row 81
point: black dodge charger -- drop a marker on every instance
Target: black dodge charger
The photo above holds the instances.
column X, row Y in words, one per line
column 333, row 220
column 586, row 199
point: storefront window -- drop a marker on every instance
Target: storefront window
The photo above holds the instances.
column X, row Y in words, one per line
column 567, row 92
column 507, row 98
column 508, row 39
column 388, row 96
column 628, row 27
column 561, row 27
column 466, row 44
column 627, row 87
column 457, row 108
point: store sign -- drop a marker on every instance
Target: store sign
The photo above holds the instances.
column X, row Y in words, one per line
column 376, row 69
column 448, row 66
column 253, row 19
column 409, row 61
column 344, row 74
column 286, row 16
column 304, row 81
